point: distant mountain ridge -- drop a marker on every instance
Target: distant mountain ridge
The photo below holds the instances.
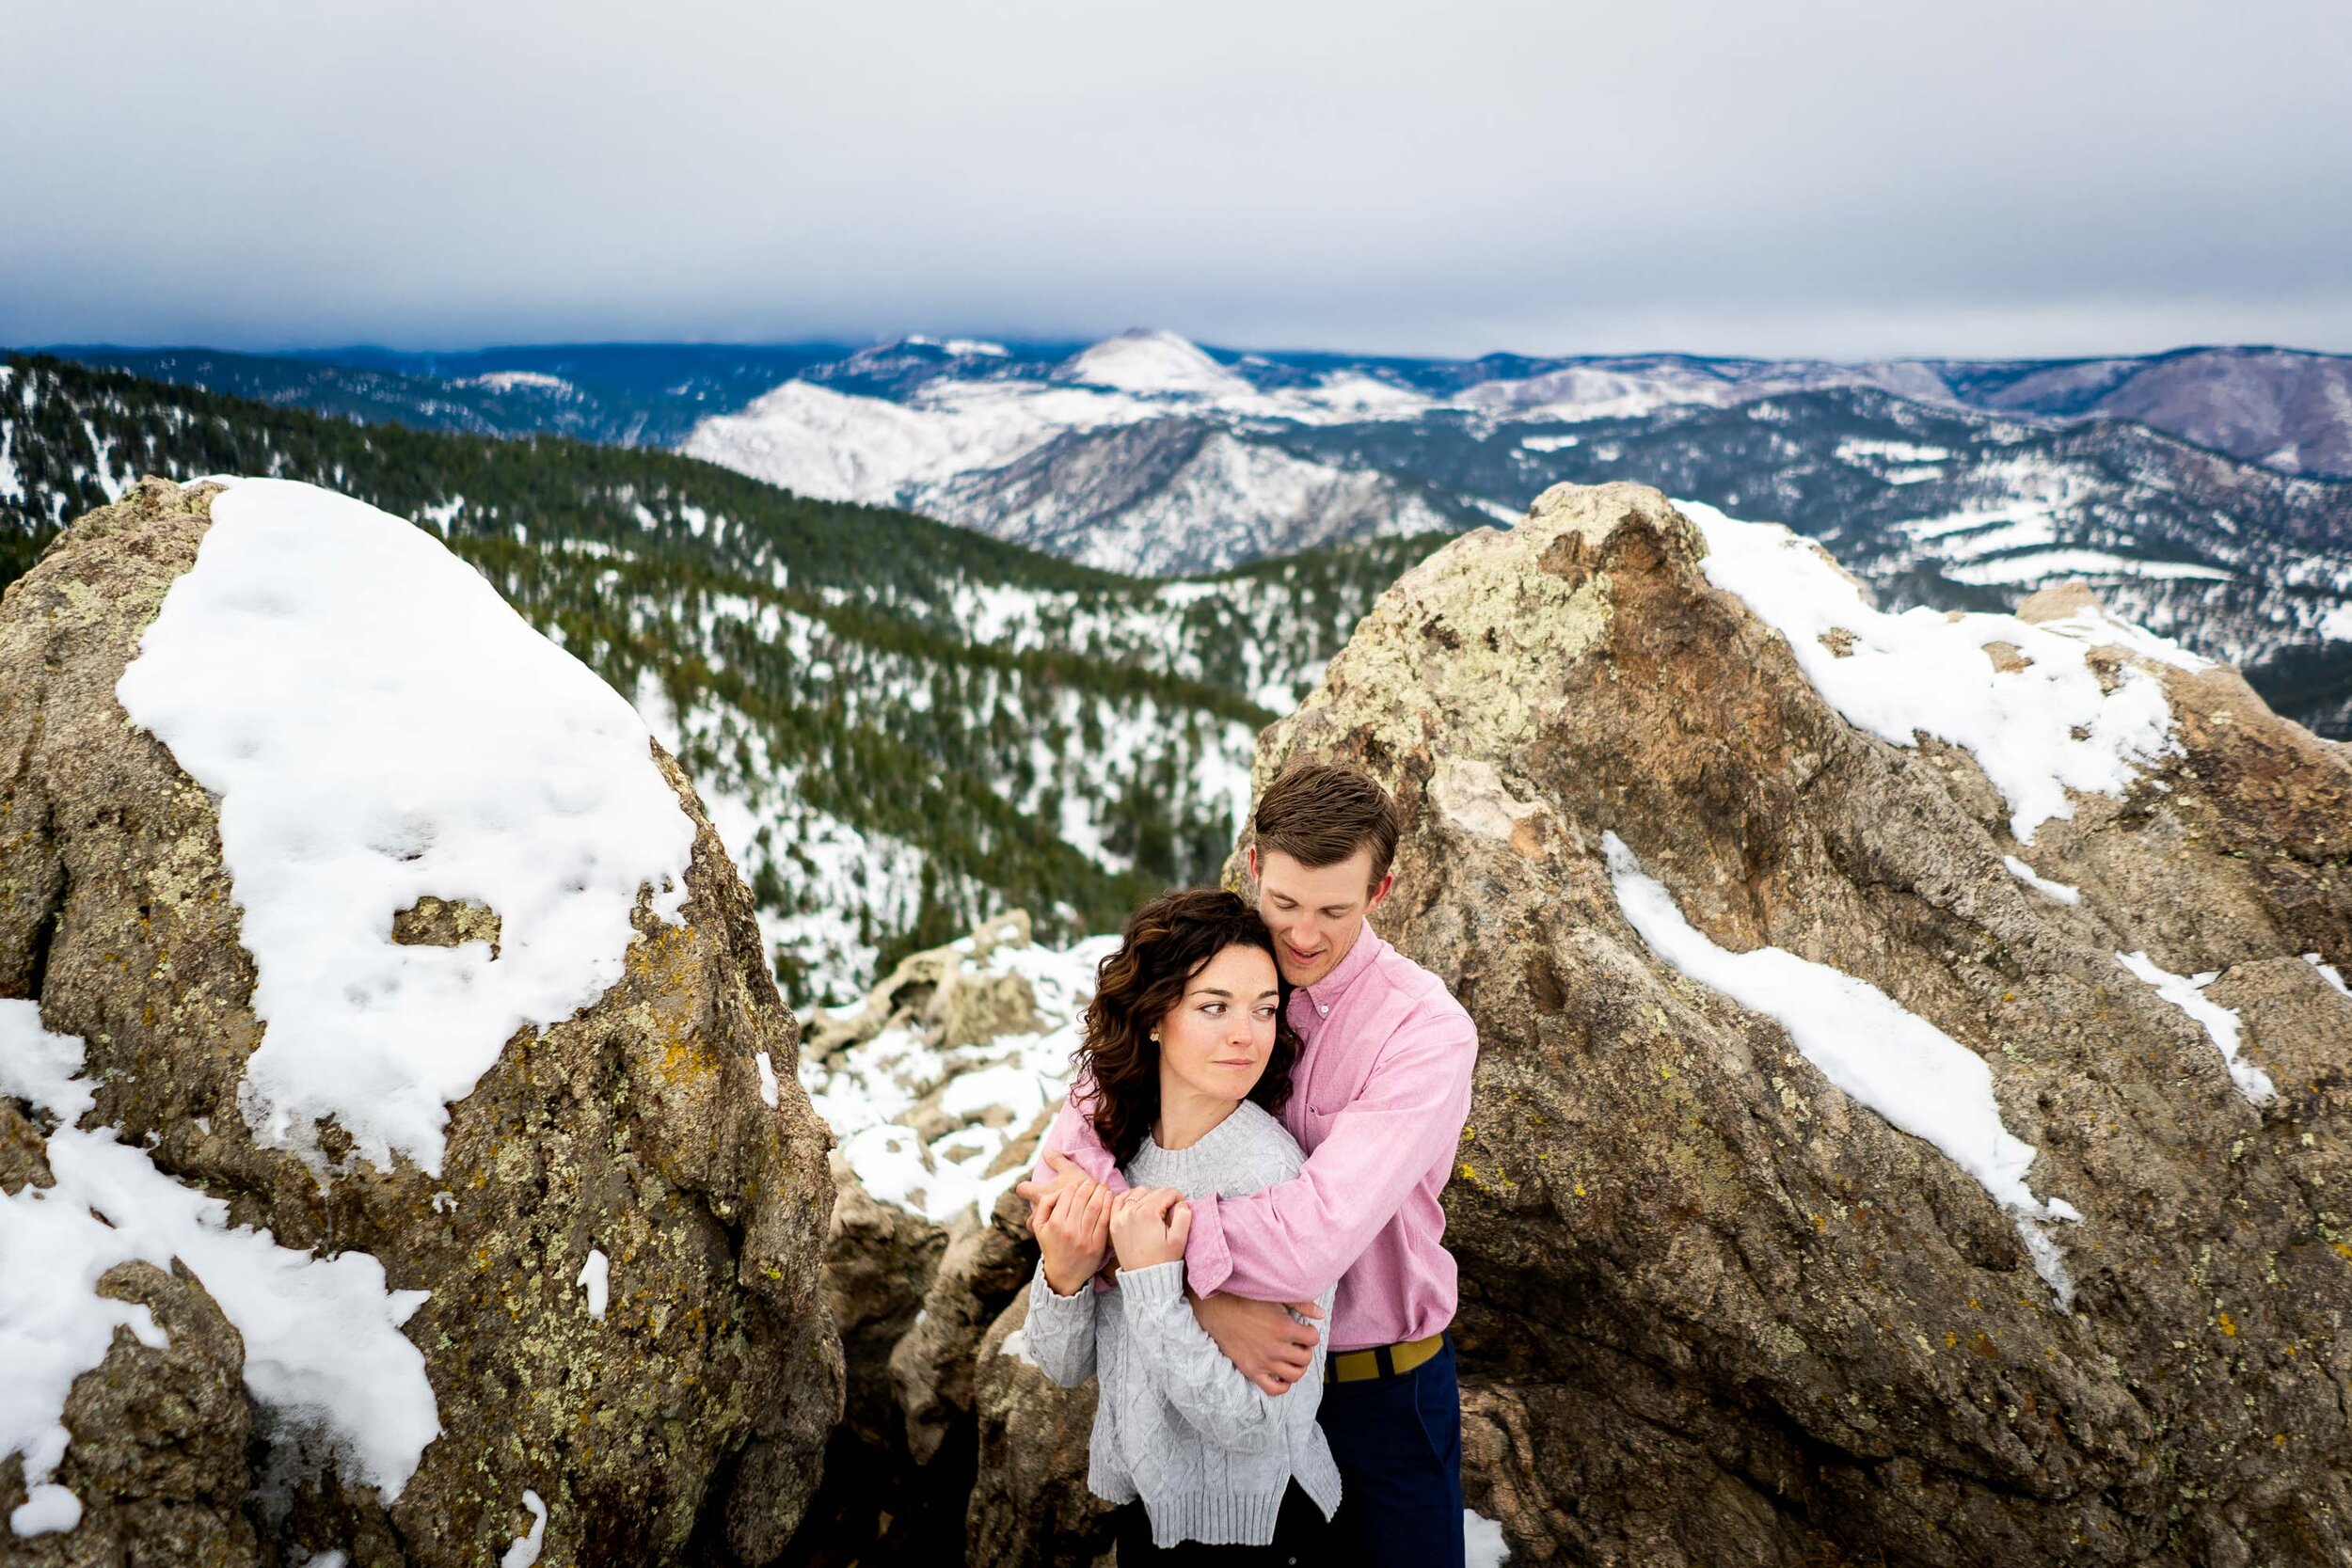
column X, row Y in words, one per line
column 2288, row 408
column 2193, row 489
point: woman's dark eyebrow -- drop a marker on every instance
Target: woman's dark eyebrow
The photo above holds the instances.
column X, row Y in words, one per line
column 1210, row 990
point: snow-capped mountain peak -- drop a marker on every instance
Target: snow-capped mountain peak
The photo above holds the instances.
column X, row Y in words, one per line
column 1151, row 363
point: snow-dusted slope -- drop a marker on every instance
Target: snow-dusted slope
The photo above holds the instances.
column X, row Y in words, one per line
column 1142, row 454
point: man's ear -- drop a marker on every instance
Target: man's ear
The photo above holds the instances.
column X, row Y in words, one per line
column 1253, row 863
column 1380, row 892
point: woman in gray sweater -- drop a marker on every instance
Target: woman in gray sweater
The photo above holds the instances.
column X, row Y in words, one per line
column 1185, row 1060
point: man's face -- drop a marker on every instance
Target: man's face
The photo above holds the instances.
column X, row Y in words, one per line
column 1315, row 912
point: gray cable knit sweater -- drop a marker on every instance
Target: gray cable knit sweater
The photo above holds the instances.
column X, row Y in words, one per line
column 1175, row 1422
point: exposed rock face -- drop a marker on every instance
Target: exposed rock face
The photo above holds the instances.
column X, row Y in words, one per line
column 1716, row 1309
column 940, row 1085
column 1029, row 1497
column 687, row 1422
column 159, row 1435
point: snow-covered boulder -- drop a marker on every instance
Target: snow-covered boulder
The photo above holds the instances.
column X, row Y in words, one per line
column 1911, row 1094
column 364, row 961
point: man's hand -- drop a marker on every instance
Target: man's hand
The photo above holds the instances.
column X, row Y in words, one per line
column 1150, row 1226
column 1066, row 1176
column 1072, row 1225
column 1271, row 1348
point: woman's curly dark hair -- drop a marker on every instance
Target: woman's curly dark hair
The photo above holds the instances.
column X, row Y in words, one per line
column 1164, row 945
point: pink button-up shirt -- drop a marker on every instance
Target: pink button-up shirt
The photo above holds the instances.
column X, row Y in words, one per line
column 1377, row 1101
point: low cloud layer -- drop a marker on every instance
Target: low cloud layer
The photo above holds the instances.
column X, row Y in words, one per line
column 1839, row 179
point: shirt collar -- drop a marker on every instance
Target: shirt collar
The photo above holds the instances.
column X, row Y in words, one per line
column 1325, row 994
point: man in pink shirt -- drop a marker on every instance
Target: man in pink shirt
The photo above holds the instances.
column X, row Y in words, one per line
column 1378, row 1098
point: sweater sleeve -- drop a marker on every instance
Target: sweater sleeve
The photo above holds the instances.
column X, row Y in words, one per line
column 1209, row 1392
column 1060, row 1333
column 1290, row 1241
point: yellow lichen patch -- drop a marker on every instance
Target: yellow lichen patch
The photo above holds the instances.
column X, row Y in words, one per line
column 2227, row 1324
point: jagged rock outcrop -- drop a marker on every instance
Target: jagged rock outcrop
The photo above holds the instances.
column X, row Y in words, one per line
column 159, row 1433
column 1715, row 1307
column 1029, row 1500
column 916, row 1272
column 686, row 1424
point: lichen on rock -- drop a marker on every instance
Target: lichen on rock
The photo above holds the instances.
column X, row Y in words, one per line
column 685, row 1425
column 1693, row 1267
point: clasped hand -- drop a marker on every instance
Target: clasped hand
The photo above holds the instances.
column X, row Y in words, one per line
column 1272, row 1345
column 1077, row 1222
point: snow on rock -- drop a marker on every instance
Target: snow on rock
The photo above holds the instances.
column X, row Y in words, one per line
column 524, row 1550
column 1483, row 1546
column 2328, row 972
column 2039, row 723
column 2220, row 1024
column 984, row 1093
column 2025, row 873
column 381, row 727
column 39, row 1067
column 322, row 1335
column 1897, row 1063
column 595, row 1277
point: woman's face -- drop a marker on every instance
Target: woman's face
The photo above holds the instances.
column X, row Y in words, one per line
column 1216, row 1038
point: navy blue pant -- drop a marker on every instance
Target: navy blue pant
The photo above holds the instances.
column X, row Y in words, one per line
column 1398, row 1441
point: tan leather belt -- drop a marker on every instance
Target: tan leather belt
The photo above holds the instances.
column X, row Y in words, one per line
column 1360, row 1366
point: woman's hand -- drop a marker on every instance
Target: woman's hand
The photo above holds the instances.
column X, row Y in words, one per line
column 1150, row 1226
column 1072, row 1226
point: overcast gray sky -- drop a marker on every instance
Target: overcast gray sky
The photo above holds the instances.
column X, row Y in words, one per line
column 1999, row 177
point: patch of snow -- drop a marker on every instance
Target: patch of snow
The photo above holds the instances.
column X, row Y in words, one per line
column 39, row 1067
column 1549, row 443
column 1858, row 451
column 379, row 726
column 47, row 1509
column 1483, row 1546
column 2220, row 1024
column 2026, row 874
column 2043, row 565
column 2336, row 626
column 2328, row 972
column 1017, row 1346
column 524, row 1551
column 11, row 483
column 322, row 1335
column 595, row 1277
column 768, row 1090
column 512, row 381
column 1925, row 673
column 1919, row 1079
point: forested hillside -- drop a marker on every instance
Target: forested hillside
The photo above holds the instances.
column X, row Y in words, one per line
column 900, row 727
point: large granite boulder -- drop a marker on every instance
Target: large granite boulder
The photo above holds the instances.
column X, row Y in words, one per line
column 618, row 1235
column 1724, row 921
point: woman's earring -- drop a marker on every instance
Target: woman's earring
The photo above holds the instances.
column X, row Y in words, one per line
column 1156, row 1036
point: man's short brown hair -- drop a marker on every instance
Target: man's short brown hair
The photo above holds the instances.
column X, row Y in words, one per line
column 1319, row 815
